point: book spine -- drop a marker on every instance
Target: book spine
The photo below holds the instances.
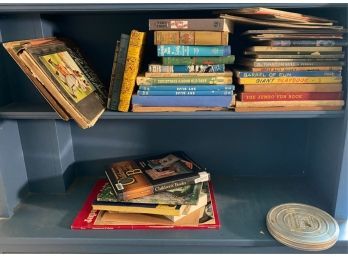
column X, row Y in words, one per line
column 190, row 38
column 293, row 88
column 198, row 60
column 144, row 81
column 113, row 71
column 289, row 96
column 135, row 48
column 247, row 74
column 290, row 80
column 179, row 50
column 290, row 103
column 291, row 64
column 202, row 101
column 295, row 49
column 156, row 68
column 119, row 71
column 321, row 42
column 185, row 93
column 286, row 69
column 186, row 88
column 187, row 24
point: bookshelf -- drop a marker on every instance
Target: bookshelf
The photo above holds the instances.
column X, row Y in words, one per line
column 257, row 160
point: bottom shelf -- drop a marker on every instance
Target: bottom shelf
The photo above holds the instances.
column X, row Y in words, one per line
column 41, row 223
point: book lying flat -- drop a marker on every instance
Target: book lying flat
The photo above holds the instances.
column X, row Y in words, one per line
column 62, row 76
column 308, row 103
column 287, row 108
column 139, row 108
column 293, row 87
column 136, row 178
column 87, row 218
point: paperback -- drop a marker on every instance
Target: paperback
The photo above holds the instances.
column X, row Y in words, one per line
column 146, row 176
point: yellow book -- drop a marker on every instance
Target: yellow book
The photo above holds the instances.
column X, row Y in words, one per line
column 135, row 50
column 289, row 80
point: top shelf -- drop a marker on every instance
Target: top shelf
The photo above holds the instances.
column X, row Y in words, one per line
column 44, row 112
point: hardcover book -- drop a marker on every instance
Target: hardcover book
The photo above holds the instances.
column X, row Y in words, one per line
column 181, row 50
column 194, row 80
column 199, row 60
column 136, row 178
column 87, row 218
column 290, row 80
column 285, row 69
column 208, row 68
column 292, row 88
column 289, row 96
column 190, row 38
column 186, row 195
column 187, row 88
column 185, row 93
column 62, row 76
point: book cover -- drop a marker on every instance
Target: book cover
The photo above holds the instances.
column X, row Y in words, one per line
column 286, row 69
column 287, row 108
column 292, row 88
column 147, row 176
column 185, row 93
column 290, row 103
column 207, row 68
column 134, row 54
column 63, row 72
column 185, row 195
column 202, row 60
column 248, row 74
column 87, row 218
column 140, row 108
column 124, row 207
column 187, row 88
column 289, row 96
column 282, row 63
column 295, row 56
column 181, row 50
column 115, row 87
column 177, row 37
column 290, row 80
column 185, row 75
column 312, row 42
column 215, row 24
column 215, row 80
column 297, row 49
column 193, row 101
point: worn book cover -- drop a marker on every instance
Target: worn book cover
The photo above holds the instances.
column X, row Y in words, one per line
column 198, row 60
column 290, row 80
column 62, row 71
column 308, row 103
column 185, row 195
column 194, row 79
column 289, row 96
column 87, row 218
column 178, row 37
column 292, row 88
column 146, row 176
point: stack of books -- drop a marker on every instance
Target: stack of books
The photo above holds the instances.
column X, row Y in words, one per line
column 293, row 68
column 192, row 74
column 163, row 191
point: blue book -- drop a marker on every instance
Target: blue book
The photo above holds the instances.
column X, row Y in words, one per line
column 202, row 101
column 249, row 74
column 181, row 50
column 186, row 93
column 186, row 88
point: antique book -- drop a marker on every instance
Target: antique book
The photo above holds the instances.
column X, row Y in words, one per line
column 295, row 49
column 193, row 101
column 116, row 83
column 214, row 24
column 185, row 93
column 136, row 178
column 295, row 56
column 181, row 50
column 113, row 72
column 185, row 195
column 186, row 87
column 59, row 71
column 292, row 87
column 134, row 54
column 281, row 63
column 289, row 96
column 304, row 42
column 87, row 218
column 198, row 60
column 248, row 74
column 193, row 79
column 290, row 80
column 167, row 70
column 290, row 103
column 140, row 108
column 177, row 37
column 185, row 75
column 287, row 108
column 286, row 69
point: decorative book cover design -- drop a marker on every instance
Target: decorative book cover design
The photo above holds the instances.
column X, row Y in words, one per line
column 146, row 176
column 62, row 76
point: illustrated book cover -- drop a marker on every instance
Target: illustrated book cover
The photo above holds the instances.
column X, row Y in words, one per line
column 62, row 76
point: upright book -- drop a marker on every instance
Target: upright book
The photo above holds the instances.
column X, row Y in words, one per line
column 62, row 76
column 146, row 176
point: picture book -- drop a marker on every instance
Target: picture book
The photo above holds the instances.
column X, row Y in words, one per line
column 150, row 175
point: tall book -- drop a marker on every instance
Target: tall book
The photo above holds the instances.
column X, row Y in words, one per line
column 62, row 76
column 118, row 71
column 131, row 69
column 146, row 176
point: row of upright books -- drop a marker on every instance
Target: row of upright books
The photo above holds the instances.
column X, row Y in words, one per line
column 166, row 191
column 192, row 74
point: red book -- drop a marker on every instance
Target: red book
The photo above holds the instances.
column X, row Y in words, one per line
column 289, row 96
column 87, row 218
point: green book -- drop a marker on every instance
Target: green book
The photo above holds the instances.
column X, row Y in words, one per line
column 186, row 195
column 201, row 60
